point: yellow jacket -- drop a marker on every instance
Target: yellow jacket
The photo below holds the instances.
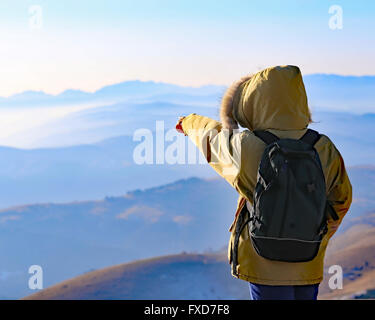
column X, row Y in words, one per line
column 273, row 99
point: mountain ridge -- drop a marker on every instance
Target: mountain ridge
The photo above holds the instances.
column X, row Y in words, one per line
column 171, row 276
column 133, row 82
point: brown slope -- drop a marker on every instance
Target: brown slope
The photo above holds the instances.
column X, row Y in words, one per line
column 354, row 251
column 198, row 276
column 184, row 276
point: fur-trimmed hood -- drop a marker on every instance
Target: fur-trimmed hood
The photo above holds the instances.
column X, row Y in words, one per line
column 274, row 98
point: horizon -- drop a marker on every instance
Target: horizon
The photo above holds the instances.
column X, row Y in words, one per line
column 54, row 94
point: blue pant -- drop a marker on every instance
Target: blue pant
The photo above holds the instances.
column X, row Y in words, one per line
column 263, row 292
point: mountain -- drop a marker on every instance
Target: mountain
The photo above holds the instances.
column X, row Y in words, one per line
column 354, row 94
column 350, row 133
column 74, row 117
column 362, row 179
column 78, row 147
column 85, row 172
column 192, row 276
column 184, row 276
column 124, row 91
column 354, row 251
column 83, row 148
column 107, row 167
column 191, row 215
column 328, row 91
column 94, row 171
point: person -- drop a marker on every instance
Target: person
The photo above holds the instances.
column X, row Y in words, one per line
column 275, row 100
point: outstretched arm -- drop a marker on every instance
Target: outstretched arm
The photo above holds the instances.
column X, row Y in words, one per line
column 220, row 147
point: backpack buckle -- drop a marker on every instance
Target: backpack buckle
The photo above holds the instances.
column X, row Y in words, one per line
column 323, row 230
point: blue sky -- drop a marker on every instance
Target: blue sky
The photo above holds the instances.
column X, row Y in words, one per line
column 88, row 44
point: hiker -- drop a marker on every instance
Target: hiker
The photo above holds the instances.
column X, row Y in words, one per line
column 292, row 183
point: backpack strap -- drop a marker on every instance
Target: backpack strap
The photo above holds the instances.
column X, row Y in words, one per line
column 311, row 137
column 266, row 136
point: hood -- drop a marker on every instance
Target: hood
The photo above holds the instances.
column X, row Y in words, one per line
column 274, row 98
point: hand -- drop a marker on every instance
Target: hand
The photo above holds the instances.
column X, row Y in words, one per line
column 179, row 125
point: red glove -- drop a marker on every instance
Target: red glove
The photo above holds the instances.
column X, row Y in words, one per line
column 179, row 125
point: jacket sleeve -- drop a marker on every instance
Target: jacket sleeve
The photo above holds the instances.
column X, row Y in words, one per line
column 221, row 148
column 340, row 189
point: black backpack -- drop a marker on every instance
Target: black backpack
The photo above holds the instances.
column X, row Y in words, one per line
column 288, row 218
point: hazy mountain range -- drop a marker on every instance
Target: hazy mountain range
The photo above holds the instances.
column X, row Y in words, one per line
column 124, row 91
column 72, row 199
column 190, row 215
column 335, row 92
column 184, row 276
column 207, row 276
column 75, row 117
column 107, row 168
column 68, row 239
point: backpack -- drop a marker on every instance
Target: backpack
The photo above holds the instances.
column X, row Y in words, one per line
column 288, row 218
